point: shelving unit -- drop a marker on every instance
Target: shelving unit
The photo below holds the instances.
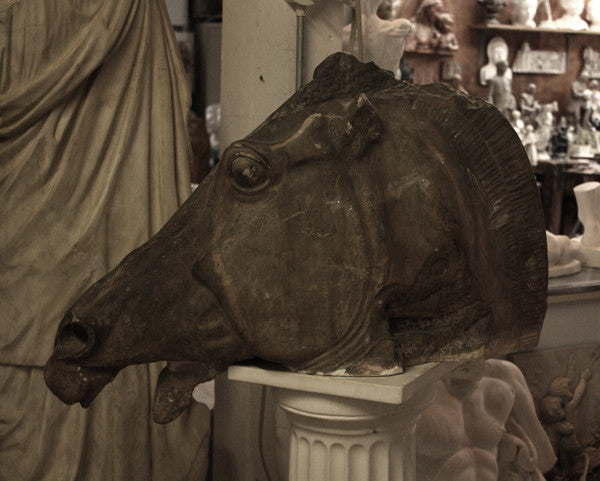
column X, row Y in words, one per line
column 504, row 28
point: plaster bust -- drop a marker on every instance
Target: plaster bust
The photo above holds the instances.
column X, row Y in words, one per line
column 571, row 18
column 523, row 12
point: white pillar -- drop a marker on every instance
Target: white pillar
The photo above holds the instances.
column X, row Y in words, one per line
column 350, row 428
column 258, row 57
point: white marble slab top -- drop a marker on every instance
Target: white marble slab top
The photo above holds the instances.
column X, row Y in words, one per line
column 394, row 389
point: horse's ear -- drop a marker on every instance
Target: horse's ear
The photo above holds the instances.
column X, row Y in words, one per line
column 366, row 126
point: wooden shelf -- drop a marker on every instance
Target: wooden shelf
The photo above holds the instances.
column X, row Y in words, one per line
column 518, row 28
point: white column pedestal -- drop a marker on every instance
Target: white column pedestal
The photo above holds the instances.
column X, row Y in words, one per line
column 350, row 428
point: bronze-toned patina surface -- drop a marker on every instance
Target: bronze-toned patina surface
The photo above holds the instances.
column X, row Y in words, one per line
column 366, row 225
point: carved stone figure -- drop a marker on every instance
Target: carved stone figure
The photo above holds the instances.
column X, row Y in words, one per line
column 497, row 51
column 528, row 105
column 578, row 90
column 530, row 140
column 328, row 240
column 517, row 122
column 434, row 29
column 565, row 384
column 571, row 18
column 591, row 63
column 523, row 12
column 482, row 426
column 500, row 90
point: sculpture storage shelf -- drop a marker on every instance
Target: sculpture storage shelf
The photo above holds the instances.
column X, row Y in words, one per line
column 502, row 28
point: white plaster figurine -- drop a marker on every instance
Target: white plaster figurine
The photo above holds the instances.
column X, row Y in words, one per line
column 571, row 18
column 588, row 207
column 497, row 51
column 482, row 426
column 523, row 12
column 500, row 90
column 530, row 140
column 383, row 40
column 562, row 255
column 434, row 29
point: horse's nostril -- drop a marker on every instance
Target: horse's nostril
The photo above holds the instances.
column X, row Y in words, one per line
column 74, row 340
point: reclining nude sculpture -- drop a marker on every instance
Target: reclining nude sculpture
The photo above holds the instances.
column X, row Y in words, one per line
column 365, row 226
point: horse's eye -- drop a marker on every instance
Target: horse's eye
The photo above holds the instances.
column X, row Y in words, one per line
column 248, row 173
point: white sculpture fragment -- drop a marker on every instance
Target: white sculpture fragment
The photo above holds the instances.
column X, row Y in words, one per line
column 588, row 206
column 523, row 12
column 383, row 41
column 571, row 18
column 562, row 255
column 482, row 426
column 497, row 51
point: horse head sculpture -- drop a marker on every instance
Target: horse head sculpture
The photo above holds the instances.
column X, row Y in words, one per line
column 367, row 225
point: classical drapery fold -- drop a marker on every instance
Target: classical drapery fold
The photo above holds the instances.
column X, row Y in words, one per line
column 93, row 152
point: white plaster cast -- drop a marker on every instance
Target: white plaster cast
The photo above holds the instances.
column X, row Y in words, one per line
column 571, row 18
column 523, row 12
column 562, row 255
column 592, row 15
column 588, row 206
column 383, row 40
column 497, row 51
column 482, row 427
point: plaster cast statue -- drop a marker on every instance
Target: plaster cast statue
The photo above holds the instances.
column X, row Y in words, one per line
column 482, row 426
column 557, row 409
column 571, row 18
column 562, row 255
column 592, row 15
column 500, row 90
column 528, row 105
column 517, row 122
column 564, row 383
column 523, row 12
column 295, row 248
column 213, row 124
column 530, row 141
column 588, row 211
column 383, row 39
column 434, row 29
column 578, row 90
column 497, row 51
column 591, row 62
column 94, row 160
